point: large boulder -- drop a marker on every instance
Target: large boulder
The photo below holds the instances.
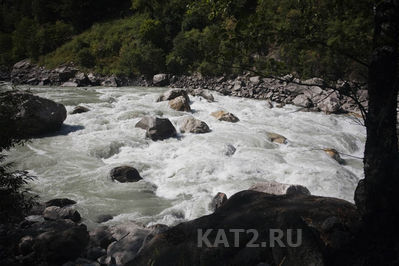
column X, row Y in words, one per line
column 173, row 93
column 180, row 104
column 192, row 125
column 225, row 116
column 160, row 80
column 295, row 229
column 157, row 128
column 27, row 115
column 125, row 174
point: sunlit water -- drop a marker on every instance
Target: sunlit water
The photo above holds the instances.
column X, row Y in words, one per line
column 182, row 175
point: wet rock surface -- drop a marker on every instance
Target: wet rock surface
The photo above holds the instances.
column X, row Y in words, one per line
column 321, row 235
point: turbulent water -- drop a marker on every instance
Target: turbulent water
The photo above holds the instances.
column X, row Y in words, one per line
column 181, row 175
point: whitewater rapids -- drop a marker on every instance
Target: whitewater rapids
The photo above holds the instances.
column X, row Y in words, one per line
column 181, row 175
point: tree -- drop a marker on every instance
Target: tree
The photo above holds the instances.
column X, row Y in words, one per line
column 377, row 196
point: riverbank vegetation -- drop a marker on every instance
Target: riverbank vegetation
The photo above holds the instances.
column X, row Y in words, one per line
column 310, row 38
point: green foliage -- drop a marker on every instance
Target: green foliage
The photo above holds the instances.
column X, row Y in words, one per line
column 330, row 39
column 15, row 198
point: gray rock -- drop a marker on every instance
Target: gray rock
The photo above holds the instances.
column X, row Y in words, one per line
column 130, row 238
column 70, row 84
column 101, row 237
column 255, row 80
column 331, row 104
column 225, row 116
column 172, row 94
column 29, row 115
column 192, row 125
column 302, row 101
column 202, row 93
column 125, row 174
column 180, row 104
column 229, row 150
column 160, row 80
column 56, row 213
column 157, row 128
column 110, row 82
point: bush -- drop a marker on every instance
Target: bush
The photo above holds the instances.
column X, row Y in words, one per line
column 137, row 58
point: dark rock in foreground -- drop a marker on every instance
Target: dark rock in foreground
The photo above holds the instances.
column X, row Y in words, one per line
column 29, row 115
column 157, row 128
column 263, row 212
column 125, row 174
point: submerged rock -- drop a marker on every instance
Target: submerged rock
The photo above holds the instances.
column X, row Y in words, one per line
column 180, row 104
column 103, row 218
column 274, row 137
column 334, row 154
column 61, row 202
column 157, row 128
column 25, row 114
column 225, row 116
column 229, row 150
column 192, row 125
column 125, row 174
column 79, row 109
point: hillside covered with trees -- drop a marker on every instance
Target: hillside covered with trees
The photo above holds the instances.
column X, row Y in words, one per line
column 329, row 39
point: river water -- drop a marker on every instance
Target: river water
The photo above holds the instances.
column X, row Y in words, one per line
column 181, row 175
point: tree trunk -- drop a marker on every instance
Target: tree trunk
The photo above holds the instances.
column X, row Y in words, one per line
column 377, row 196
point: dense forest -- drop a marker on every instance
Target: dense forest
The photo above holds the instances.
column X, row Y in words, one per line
column 329, row 39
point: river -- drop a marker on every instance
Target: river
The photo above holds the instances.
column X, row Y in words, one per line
column 181, row 175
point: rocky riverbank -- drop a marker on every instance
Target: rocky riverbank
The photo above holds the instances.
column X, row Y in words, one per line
column 311, row 95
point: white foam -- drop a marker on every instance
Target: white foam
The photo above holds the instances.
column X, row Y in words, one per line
column 188, row 171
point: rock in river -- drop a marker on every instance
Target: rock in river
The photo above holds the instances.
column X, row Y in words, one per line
column 225, row 116
column 79, row 109
column 125, row 174
column 173, row 93
column 192, row 125
column 25, row 114
column 157, row 128
column 180, row 104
